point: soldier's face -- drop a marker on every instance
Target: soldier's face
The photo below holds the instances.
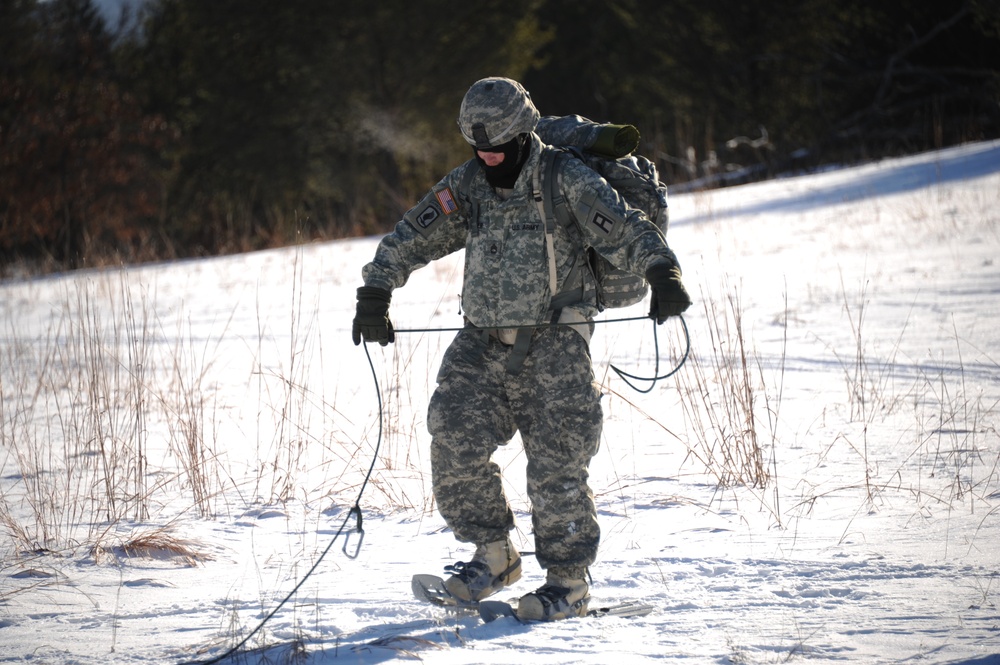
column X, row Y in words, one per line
column 491, row 158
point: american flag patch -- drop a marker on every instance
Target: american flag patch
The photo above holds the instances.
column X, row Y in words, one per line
column 447, row 201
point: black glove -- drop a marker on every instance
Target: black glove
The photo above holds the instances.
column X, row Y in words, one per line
column 670, row 298
column 371, row 321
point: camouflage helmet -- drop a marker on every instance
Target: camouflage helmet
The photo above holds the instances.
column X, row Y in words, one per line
column 494, row 111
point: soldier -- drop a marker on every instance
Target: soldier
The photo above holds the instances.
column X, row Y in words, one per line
column 509, row 370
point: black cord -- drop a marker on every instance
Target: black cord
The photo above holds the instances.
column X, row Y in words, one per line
column 625, row 376
column 536, row 325
column 354, row 512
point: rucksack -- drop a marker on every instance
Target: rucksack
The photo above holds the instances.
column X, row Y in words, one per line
column 608, row 150
column 633, row 176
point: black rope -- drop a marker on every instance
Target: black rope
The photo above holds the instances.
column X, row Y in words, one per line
column 625, row 376
column 354, row 512
column 536, row 325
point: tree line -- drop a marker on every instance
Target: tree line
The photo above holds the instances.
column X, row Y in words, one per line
column 194, row 127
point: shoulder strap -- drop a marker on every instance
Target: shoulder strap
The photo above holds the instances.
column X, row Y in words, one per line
column 547, row 195
column 541, row 191
column 557, row 211
column 465, row 192
column 555, row 202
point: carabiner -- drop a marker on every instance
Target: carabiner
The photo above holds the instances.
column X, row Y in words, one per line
column 356, row 510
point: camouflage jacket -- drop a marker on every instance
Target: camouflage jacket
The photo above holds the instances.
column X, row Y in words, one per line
column 506, row 279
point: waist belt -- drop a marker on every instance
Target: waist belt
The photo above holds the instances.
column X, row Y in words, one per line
column 520, row 338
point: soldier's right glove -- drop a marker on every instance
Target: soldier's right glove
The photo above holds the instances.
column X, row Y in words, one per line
column 670, row 298
column 371, row 320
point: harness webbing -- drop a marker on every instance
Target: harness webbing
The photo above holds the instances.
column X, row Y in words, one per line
column 543, row 185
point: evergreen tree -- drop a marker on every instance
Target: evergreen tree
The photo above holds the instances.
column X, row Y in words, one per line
column 73, row 142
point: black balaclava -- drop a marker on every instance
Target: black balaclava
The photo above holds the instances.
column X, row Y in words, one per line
column 515, row 154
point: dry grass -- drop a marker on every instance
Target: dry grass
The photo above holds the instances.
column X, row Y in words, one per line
column 157, row 544
column 79, row 405
column 723, row 398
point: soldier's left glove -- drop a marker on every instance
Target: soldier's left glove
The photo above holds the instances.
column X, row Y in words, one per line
column 670, row 298
column 371, row 321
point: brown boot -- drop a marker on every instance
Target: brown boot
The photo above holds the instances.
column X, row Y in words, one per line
column 558, row 598
column 493, row 566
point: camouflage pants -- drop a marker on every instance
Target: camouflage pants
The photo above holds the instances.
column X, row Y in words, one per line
column 555, row 405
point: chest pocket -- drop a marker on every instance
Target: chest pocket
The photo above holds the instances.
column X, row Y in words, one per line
column 509, row 232
column 485, row 244
column 507, row 255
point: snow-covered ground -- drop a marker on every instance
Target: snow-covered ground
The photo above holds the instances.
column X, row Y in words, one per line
column 181, row 444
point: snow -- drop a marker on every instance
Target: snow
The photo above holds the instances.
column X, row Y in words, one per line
column 183, row 442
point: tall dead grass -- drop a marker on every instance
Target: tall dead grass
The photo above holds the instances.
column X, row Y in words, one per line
column 724, row 398
column 79, row 402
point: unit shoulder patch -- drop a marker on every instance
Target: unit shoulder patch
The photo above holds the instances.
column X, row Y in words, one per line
column 432, row 209
column 602, row 223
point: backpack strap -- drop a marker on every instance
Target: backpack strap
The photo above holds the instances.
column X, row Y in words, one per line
column 465, row 193
column 522, row 340
column 557, row 211
column 543, row 199
column 555, row 199
column 552, row 208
